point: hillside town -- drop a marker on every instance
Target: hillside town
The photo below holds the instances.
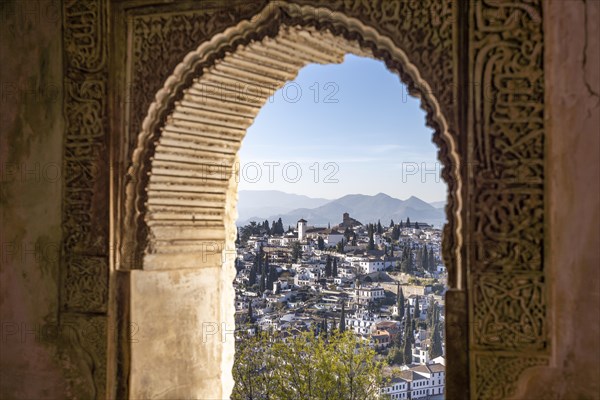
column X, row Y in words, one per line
column 383, row 283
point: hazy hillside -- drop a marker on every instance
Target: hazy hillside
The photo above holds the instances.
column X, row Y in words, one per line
column 439, row 204
column 364, row 208
column 261, row 203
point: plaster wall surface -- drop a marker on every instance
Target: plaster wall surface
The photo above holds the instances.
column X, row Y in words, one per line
column 572, row 36
column 35, row 362
column 31, row 127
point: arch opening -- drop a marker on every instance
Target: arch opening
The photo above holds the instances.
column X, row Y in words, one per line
column 180, row 205
column 369, row 135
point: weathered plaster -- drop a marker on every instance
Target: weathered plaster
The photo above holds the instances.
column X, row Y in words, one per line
column 573, row 124
column 31, row 157
column 58, row 366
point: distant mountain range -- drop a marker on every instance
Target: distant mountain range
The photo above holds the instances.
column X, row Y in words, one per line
column 255, row 205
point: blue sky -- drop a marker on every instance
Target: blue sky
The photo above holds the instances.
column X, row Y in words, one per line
column 342, row 129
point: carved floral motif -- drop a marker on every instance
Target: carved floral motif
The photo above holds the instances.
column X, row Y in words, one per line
column 497, row 376
column 507, row 282
column 507, row 285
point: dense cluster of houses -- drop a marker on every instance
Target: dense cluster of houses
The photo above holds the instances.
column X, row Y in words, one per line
column 350, row 275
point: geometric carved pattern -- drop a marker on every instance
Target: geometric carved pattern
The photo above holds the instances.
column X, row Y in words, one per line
column 506, row 281
column 85, row 352
column 85, row 212
column 509, row 311
column 508, row 307
column 497, row 376
column 86, row 284
column 510, row 230
column 85, row 218
column 423, row 30
column 160, row 42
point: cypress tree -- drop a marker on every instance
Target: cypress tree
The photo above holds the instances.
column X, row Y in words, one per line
column 431, row 260
column 252, row 277
column 410, row 261
column 417, row 313
column 435, row 349
column 340, row 246
column 335, row 269
column 272, row 277
column 328, row 270
column 408, row 338
column 343, row 319
column 400, row 301
column 262, row 283
column 250, row 318
column 320, row 243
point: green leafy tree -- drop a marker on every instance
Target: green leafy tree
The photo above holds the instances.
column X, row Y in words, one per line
column 333, row 366
column 395, row 356
column 253, row 367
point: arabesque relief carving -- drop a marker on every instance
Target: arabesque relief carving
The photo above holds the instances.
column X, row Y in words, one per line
column 506, row 282
column 85, row 220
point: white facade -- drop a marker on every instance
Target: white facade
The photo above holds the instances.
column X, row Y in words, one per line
column 397, row 389
column 361, row 322
column 367, row 266
column 303, row 279
column 420, row 355
column 419, row 382
column 366, row 294
column 301, row 230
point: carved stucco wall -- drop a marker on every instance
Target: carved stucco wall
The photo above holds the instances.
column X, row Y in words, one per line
column 486, row 55
column 43, row 294
column 72, row 295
